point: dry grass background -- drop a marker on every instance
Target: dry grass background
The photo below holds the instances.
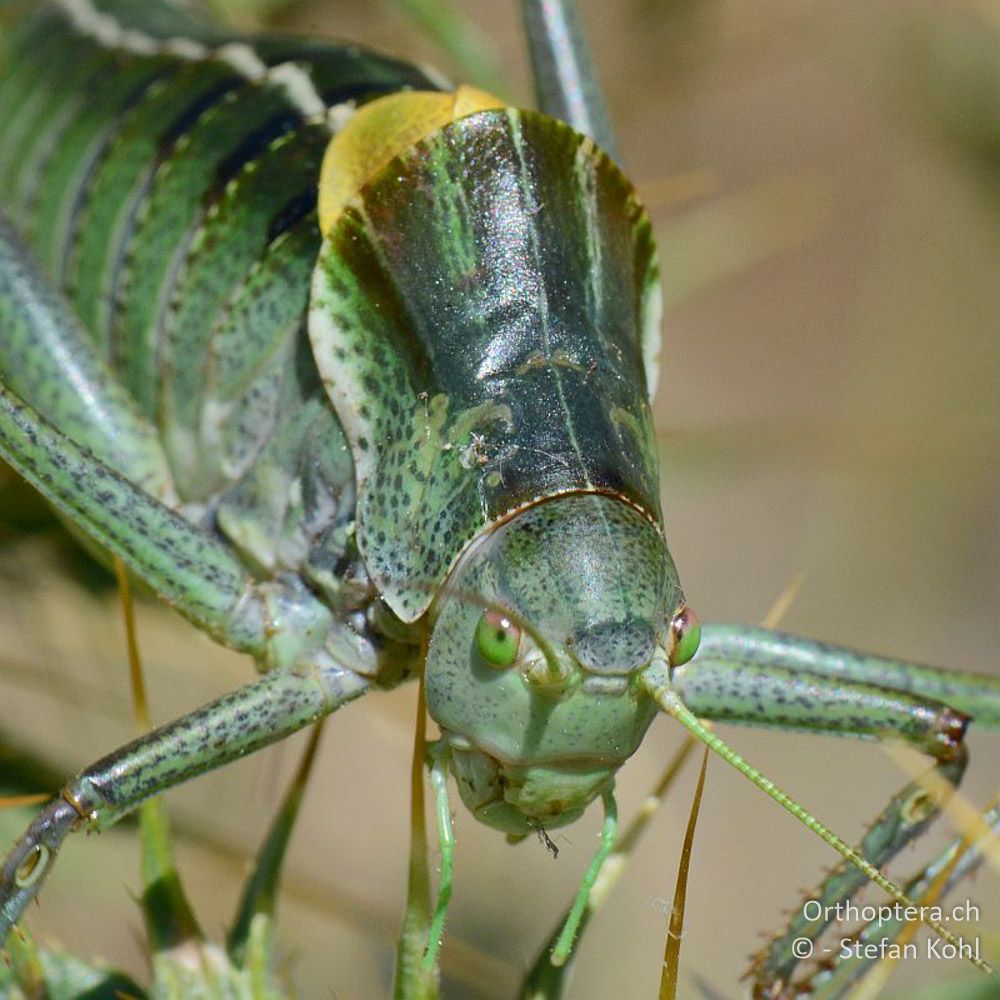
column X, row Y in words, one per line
column 825, row 188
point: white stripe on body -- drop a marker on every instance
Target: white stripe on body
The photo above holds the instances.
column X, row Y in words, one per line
column 290, row 77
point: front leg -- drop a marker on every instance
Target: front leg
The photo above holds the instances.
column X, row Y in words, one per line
column 239, row 723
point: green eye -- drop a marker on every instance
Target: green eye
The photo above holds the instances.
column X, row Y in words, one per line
column 497, row 639
column 685, row 636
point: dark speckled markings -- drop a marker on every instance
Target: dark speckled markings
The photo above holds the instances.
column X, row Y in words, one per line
column 229, row 728
column 480, row 317
column 769, row 678
column 189, row 569
column 178, row 216
column 453, row 430
column 166, row 177
column 609, row 584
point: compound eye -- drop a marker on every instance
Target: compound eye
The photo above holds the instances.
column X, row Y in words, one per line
column 497, row 639
column 685, row 636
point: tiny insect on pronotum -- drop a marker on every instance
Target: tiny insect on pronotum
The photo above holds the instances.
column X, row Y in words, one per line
column 354, row 371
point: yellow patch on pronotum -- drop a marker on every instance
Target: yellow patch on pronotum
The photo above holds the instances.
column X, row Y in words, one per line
column 382, row 130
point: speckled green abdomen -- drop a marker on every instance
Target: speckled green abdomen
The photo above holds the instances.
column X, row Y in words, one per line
column 167, row 180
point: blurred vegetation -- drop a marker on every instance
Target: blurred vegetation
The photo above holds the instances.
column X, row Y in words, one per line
column 824, row 182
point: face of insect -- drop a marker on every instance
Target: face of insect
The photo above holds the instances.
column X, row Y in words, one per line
column 535, row 661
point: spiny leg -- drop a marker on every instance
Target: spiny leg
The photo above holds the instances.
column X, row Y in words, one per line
column 755, row 676
column 958, row 860
column 905, row 818
column 239, row 723
column 102, row 478
column 192, row 571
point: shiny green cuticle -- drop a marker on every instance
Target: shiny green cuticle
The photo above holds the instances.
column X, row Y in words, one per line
column 497, row 639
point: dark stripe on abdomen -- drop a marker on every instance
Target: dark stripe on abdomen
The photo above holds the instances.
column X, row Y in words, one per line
column 122, row 183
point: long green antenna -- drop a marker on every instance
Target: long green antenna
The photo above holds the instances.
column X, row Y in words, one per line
column 657, row 679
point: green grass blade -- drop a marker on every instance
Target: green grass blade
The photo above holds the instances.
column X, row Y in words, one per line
column 546, row 981
column 470, row 49
column 261, row 890
column 53, row 975
column 411, row 981
column 672, row 948
column 168, row 915
column 170, row 921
